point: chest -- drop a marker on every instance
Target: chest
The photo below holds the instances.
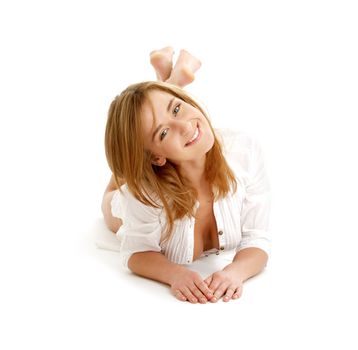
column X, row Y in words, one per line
column 205, row 229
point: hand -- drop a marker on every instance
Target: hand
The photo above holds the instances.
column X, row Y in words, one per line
column 188, row 285
column 226, row 282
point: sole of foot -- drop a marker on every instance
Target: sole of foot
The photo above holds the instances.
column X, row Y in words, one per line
column 162, row 61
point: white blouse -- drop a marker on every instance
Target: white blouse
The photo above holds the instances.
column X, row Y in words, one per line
column 242, row 218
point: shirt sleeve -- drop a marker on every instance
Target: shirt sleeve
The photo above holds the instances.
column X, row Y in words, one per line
column 256, row 203
column 141, row 229
column 118, row 204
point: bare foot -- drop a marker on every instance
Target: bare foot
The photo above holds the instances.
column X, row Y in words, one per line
column 184, row 69
column 162, row 61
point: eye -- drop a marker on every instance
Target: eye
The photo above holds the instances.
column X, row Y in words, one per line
column 176, row 109
column 162, row 134
column 165, row 131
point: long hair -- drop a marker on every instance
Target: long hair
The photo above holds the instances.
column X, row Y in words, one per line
column 157, row 186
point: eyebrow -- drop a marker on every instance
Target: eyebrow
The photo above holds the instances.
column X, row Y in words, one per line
column 160, row 125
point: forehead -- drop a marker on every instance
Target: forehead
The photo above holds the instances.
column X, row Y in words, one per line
column 156, row 99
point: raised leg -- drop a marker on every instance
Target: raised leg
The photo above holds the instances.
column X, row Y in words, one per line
column 184, row 70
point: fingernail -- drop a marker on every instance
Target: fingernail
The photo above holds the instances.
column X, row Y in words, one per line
column 214, row 299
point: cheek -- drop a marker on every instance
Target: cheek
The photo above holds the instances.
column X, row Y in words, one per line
column 173, row 149
column 209, row 140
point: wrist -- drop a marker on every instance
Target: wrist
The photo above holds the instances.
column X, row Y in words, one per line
column 174, row 272
column 235, row 269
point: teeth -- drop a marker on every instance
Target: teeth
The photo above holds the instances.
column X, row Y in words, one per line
column 195, row 135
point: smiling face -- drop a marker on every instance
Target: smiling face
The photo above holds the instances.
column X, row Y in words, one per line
column 174, row 129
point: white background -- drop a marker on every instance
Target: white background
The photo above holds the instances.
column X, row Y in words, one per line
column 283, row 71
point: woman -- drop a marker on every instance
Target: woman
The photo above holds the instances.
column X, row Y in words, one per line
column 180, row 189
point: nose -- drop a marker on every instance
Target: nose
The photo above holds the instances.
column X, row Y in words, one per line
column 186, row 128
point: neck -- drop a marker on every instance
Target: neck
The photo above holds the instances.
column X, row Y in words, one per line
column 195, row 173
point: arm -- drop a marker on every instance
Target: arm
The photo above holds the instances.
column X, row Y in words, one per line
column 153, row 265
column 251, row 256
column 248, row 263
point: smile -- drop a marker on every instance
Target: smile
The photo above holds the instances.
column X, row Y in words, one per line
column 196, row 137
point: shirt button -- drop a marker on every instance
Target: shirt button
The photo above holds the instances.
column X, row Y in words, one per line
column 222, row 248
column 220, row 232
column 217, row 253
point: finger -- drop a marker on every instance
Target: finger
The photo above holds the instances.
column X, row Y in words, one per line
column 229, row 293
column 238, row 293
column 189, row 295
column 220, row 291
column 204, row 289
column 214, row 285
column 179, row 295
column 198, row 294
column 208, row 280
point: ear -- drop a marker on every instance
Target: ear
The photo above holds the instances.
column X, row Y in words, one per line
column 159, row 161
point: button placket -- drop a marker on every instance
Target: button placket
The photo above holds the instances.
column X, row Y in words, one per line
column 220, row 230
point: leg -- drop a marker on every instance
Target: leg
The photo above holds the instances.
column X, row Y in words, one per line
column 112, row 222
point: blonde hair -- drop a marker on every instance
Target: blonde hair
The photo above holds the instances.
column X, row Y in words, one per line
column 157, row 186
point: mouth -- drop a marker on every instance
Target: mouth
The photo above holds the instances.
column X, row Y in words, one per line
column 195, row 138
